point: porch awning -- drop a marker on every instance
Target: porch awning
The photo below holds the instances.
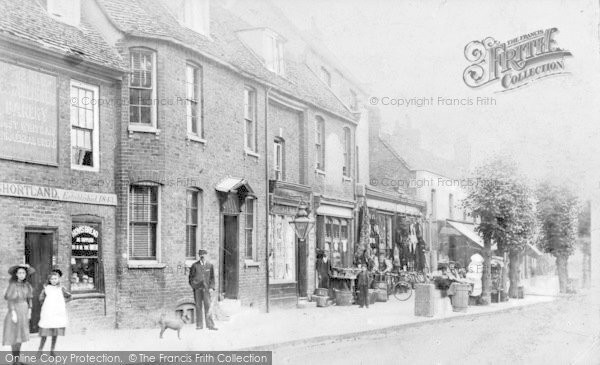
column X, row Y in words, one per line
column 467, row 230
column 232, row 184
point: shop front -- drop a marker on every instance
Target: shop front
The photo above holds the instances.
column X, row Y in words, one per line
column 288, row 255
column 396, row 232
column 73, row 231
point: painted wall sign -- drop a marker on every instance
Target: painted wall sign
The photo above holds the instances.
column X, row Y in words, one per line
column 50, row 193
column 28, row 115
column 516, row 62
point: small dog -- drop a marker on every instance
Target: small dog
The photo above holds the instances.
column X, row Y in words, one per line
column 172, row 323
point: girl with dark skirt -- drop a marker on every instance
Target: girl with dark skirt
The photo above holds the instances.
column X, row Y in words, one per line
column 53, row 317
column 18, row 295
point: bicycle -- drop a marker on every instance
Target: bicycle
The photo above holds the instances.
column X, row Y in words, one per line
column 397, row 286
column 401, row 284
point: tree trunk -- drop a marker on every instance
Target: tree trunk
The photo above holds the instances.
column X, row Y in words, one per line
column 563, row 273
column 486, row 280
column 514, row 266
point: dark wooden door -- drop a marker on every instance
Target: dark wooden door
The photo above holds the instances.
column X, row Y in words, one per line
column 230, row 256
column 301, row 274
column 38, row 253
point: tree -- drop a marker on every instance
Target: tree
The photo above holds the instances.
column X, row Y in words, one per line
column 519, row 225
column 504, row 206
column 585, row 217
column 557, row 211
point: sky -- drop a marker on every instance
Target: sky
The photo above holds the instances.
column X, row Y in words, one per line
column 415, row 49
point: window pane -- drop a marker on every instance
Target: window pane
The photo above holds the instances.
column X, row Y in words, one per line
column 134, row 114
column 84, row 274
column 145, row 114
column 89, row 119
column 88, row 159
column 250, row 134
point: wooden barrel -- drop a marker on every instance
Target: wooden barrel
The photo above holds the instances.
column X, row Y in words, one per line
column 460, row 299
column 343, row 297
column 324, row 292
column 381, row 295
column 321, row 300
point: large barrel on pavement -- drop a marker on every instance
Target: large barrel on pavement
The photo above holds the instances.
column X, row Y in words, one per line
column 460, row 299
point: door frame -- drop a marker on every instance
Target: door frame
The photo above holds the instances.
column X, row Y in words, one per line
column 222, row 253
column 53, row 258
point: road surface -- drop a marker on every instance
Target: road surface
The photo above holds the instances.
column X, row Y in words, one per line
column 565, row 331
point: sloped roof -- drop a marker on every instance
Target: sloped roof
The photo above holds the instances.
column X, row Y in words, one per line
column 28, row 20
column 419, row 159
column 154, row 19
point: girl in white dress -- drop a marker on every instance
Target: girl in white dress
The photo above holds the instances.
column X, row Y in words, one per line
column 53, row 317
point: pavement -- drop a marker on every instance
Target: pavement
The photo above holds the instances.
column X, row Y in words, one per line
column 252, row 329
column 563, row 331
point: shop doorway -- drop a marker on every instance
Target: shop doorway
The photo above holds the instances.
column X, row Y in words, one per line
column 301, row 272
column 38, row 254
column 229, row 269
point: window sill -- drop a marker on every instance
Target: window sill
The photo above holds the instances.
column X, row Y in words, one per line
column 87, row 295
column 189, row 262
column 251, row 263
column 195, row 138
column 145, row 265
column 251, row 153
column 320, row 172
column 85, row 168
column 143, row 129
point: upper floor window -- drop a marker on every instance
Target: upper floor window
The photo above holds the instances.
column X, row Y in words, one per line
column 195, row 14
column 249, row 229
column 193, row 221
column 67, row 11
column 278, row 159
column 346, row 169
column 320, row 143
column 143, row 222
column 274, row 53
column 353, row 100
column 85, row 153
column 326, row 76
column 193, row 94
column 250, row 119
column 451, row 206
column 142, row 87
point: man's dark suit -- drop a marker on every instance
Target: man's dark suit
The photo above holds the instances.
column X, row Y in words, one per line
column 363, row 281
column 202, row 278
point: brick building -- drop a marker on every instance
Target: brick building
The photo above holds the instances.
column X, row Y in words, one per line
column 215, row 125
column 59, row 112
column 241, row 132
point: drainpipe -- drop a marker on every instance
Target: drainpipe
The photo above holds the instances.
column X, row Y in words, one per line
column 267, row 203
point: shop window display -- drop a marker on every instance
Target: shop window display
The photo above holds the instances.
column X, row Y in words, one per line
column 85, row 265
column 282, row 258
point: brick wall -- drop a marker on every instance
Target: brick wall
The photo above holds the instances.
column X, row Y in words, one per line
column 19, row 214
column 180, row 164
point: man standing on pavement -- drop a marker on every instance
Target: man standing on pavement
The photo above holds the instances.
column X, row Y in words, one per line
column 202, row 281
column 363, row 280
